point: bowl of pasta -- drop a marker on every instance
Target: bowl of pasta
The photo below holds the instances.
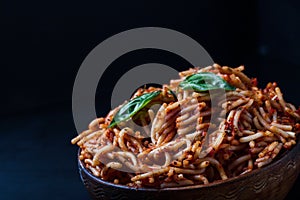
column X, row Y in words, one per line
column 210, row 134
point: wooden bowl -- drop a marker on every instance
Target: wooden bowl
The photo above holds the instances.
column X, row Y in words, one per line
column 272, row 182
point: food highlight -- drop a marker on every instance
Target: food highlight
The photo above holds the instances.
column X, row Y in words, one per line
column 156, row 138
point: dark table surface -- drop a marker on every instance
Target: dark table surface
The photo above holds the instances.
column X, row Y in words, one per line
column 39, row 162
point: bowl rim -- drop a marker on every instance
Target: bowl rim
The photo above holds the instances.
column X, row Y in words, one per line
column 216, row 183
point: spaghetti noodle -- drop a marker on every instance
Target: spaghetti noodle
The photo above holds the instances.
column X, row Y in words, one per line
column 162, row 144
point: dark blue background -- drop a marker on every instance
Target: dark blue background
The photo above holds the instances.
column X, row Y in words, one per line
column 43, row 44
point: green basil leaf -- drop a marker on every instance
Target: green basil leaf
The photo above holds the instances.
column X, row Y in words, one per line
column 205, row 81
column 133, row 106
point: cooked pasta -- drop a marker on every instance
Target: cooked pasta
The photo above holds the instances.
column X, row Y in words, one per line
column 188, row 133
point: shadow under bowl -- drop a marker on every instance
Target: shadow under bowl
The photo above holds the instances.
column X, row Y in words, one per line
column 272, row 182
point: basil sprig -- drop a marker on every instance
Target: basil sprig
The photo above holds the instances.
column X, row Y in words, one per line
column 204, row 81
column 133, row 106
